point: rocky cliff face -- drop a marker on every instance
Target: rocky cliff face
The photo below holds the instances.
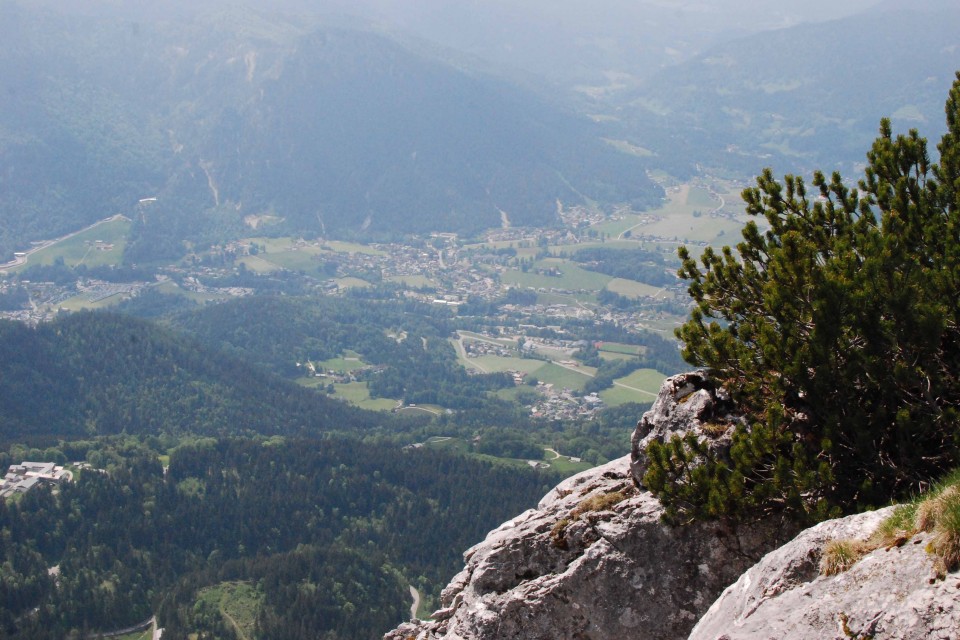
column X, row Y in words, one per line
column 890, row 593
column 594, row 561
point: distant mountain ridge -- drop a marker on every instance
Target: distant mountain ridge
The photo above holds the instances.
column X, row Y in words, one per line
column 806, row 96
column 314, row 129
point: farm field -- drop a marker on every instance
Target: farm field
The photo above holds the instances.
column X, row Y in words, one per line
column 357, row 393
column 561, row 464
column 349, row 361
column 634, row 289
column 608, row 355
column 572, row 277
column 493, row 364
column 616, row 347
column 101, row 245
column 616, row 396
column 506, row 342
column 352, row 247
column 348, row 282
column 261, row 264
column 648, row 380
column 677, row 224
column 82, row 301
column 564, row 378
column 301, row 259
column 414, row 281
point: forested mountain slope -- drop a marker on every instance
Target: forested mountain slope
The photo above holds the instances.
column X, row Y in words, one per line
column 323, row 536
column 233, row 119
column 101, row 374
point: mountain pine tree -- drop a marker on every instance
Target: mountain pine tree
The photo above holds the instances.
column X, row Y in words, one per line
column 837, row 330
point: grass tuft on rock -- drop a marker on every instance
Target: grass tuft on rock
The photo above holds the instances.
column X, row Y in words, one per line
column 840, row 555
column 936, row 512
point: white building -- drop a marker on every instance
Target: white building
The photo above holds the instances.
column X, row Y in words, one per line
column 20, row 478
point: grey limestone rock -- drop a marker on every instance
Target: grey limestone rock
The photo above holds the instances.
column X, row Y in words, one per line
column 687, row 403
column 594, row 561
column 611, row 573
column 890, row 593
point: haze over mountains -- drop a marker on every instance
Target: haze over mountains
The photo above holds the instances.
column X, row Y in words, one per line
column 370, row 120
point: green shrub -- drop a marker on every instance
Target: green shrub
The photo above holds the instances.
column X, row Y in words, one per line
column 837, row 330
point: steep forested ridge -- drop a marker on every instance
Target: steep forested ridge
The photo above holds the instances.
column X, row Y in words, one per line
column 94, row 373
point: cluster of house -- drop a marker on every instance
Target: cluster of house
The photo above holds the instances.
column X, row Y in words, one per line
column 22, row 477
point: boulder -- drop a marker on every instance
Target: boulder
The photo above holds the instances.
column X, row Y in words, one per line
column 889, row 593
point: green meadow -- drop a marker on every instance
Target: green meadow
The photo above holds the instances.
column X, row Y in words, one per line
column 98, row 246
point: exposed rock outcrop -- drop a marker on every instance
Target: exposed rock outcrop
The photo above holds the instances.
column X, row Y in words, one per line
column 594, row 561
column 689, row 403
column 889, row 593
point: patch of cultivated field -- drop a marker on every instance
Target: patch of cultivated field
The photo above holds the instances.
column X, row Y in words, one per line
column 506, row 342
column 358, row 394
column 349, row 361
column 634, row 289
column 352, row 247
column 677, row 224
column 297, row 259
column 616, row 396
column 272, row 245
column 648, row 380
column 606, row 355
column 574, row 300
column 571, row 277
column 82, row 301
column 102, row 245
column 618, row 347
column 613, row 229
column 494, row 364
column 261, row 264
column 351, row 282
column 689, row 228
column 564, row 378
column 414, row 281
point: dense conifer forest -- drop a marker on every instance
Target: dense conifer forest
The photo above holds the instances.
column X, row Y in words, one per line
column 327, row 533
